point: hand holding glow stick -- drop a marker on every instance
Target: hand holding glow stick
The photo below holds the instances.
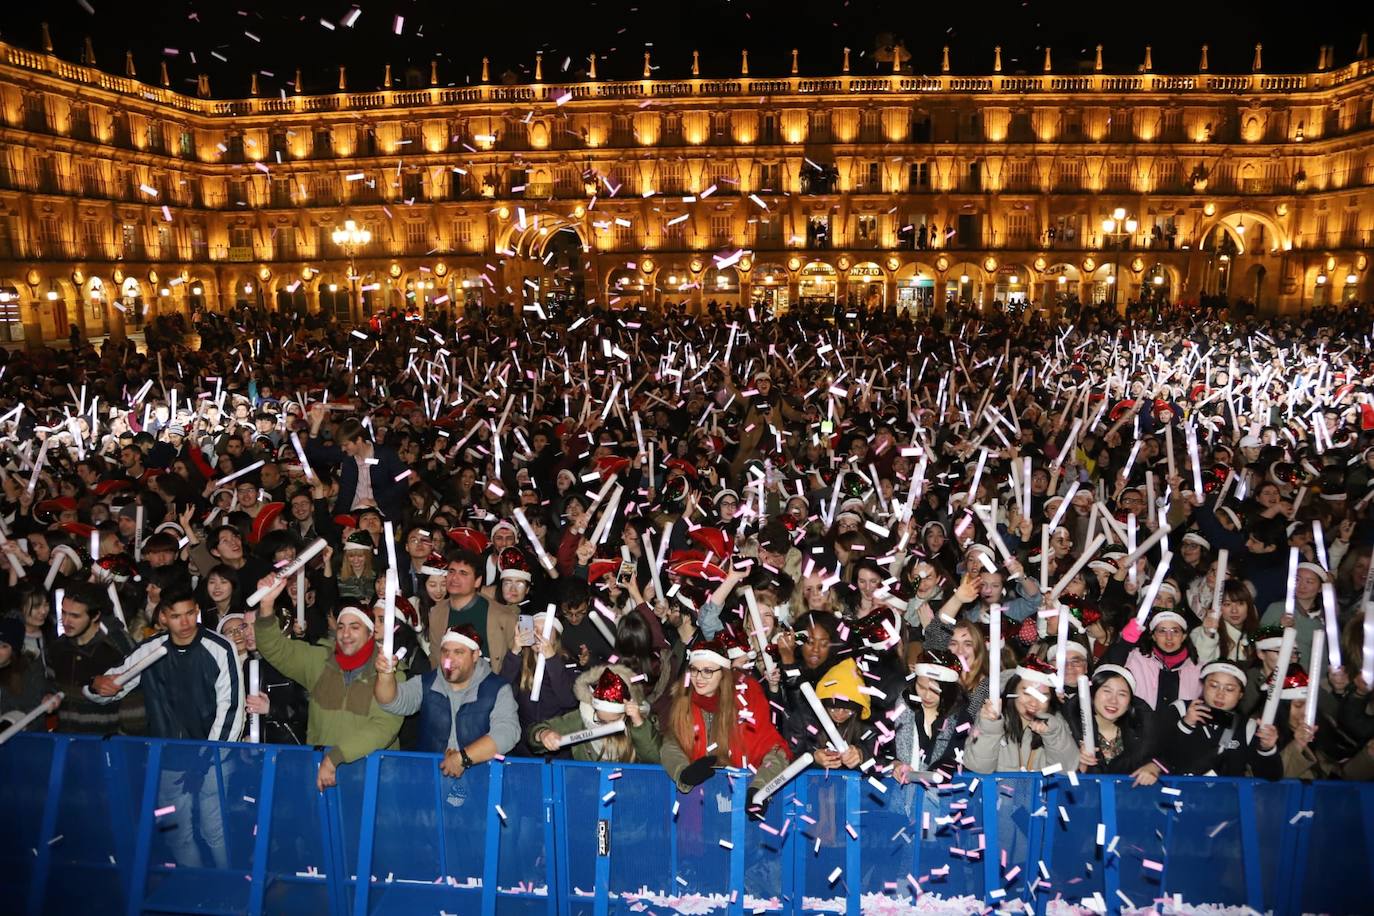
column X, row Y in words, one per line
column 1271, row 703
column 591, row 734
column 995, row 655
column 1314, row 677
column 837, row 743
column 543, row 556
column 759, row 632
column 254, row 688
column 539, row 660
column 1333, row 644
column 1214, row 615
column 777, row 782
column 42, row 709
column 143, row 663
column 389, row 618
column 1085, row 707
column 286, row 572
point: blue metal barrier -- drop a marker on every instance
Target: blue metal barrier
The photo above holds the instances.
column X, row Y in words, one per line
column 136, row 826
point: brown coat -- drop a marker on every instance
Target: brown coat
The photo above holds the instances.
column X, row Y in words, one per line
column 498, row 640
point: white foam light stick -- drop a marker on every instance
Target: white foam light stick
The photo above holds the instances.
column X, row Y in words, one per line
column 1085, row 708
column 1223, row 555
column 254, row 688
column 591, row 734
column 543, row 556
column 1271, row 703
column 1146, row 544
column 836, row 742
column 18, row 567
column 1169, row 448
column 239, row 473
column 1068, row 444
column 116, row 604
column 1367, row 655
column 1061, row 648
column 1150, row 592
column 38, row 464
column 138, row 533
column 1026, row 485
column 300, row 453
column 777, row 782
column 1314, row 677
column 302, row 558
column 389, row 618
column 1083, row 559
column 146, row 661
column 42, row 709
column 300, row 598
column 757, row 619
column 539, row 660
column 1193, row 457
column 1289, row 597
column 603, row 525
column 1333, row 645
column 995, row 655
column 653, row 567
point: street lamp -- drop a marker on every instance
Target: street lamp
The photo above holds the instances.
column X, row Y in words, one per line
column 350, row 237
column 1120, row 229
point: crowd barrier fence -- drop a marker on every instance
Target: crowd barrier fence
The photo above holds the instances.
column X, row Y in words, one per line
column 126, row 825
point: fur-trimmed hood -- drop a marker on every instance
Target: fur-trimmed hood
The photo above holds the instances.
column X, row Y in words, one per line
column 586, row 682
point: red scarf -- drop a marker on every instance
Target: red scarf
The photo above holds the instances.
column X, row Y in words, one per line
column 1172, row 661
column 754, row 737
column 357, row 659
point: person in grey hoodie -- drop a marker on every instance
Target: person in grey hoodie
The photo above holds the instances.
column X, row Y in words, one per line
column 1026, row 732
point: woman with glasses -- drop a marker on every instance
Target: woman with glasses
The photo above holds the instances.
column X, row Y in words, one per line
column 719, row 717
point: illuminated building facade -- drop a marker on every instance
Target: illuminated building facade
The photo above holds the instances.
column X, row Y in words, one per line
column 121, row 199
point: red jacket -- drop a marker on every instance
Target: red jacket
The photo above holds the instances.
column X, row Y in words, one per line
column 754, row 734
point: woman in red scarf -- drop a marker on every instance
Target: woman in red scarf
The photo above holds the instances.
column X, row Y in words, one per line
column 719, row 717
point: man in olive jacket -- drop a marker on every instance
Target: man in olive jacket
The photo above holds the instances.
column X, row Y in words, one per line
column 343, row 715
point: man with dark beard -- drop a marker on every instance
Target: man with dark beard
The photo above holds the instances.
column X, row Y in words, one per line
column 467, row 713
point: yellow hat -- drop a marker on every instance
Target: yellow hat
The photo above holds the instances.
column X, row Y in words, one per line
column 842, row 684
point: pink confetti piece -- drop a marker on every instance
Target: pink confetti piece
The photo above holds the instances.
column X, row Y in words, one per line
column 163, row 812
column 1153, row 865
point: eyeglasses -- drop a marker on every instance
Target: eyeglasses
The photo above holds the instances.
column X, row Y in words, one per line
column 703, row 673
column 1168, row 631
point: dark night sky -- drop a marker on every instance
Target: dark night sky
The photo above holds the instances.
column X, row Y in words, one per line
column 290, row 34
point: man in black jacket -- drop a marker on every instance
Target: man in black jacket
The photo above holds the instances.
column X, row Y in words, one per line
column 194, row 691
column 354, row 453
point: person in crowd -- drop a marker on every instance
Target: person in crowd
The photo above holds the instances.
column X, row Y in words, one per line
column 605, row 694
column 1025, row 730
column 343, row 716
column 1122, row 726
column 467, row 713
column 24, row 682
column 1208, row 735
column 932, row 725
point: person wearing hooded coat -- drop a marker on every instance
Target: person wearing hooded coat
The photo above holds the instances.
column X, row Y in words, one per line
column 600, row 699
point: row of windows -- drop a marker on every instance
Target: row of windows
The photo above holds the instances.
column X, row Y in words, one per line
column 874, row 126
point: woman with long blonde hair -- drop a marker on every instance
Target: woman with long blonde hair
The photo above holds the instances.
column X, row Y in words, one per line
column 556, row 694
column 969, row 644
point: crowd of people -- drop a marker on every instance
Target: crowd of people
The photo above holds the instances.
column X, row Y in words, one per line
column 731, row 540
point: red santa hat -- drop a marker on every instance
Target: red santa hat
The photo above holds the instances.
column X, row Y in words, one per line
column 611, row 693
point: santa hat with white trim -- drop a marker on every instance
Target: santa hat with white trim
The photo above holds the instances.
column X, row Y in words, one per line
column 463, row 635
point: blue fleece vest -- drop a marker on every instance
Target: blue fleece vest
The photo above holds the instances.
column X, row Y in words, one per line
column 472, row 721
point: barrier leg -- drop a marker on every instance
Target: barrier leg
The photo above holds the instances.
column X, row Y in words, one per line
column 1035, row 841
column 1111, row 862
column 563, row 891
column 143, row 841
column 367, row 828
column 794, row 892
column 38, row 881
column 1287, row 845
column 853, row 863
column 550, row 859
column 1303, row 829
column 492, row 852
column 331, row 837
column 739, row 799
column 262, row 837
column 121, row 809
column 1249, row 845
column 604, row 823
column 992, row 858
column 1169, row 817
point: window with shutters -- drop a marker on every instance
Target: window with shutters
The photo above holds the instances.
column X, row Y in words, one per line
column 324, row 190
column 417, row 237
column 50, row 237
column 670, row 178
column 92, row 239
column 720, row 228
column 768, row 232
column 866, row 229
column 674, row 232
column 871, row 127
column 412, row 140
column 80, row 121
column 1070, row 175
column 164, row 242
column 1019, row 175
column 918, row 176
column 624, row 232
column 412, row 186
column 819, row 128
column 770, row 177
column 1019, row 230
column 1119, row 175
column 462, row 234
column 870, row 180
column 186, row 143
column 89, row 176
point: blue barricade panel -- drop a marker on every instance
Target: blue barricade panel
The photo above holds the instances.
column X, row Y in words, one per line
column 132, row 826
